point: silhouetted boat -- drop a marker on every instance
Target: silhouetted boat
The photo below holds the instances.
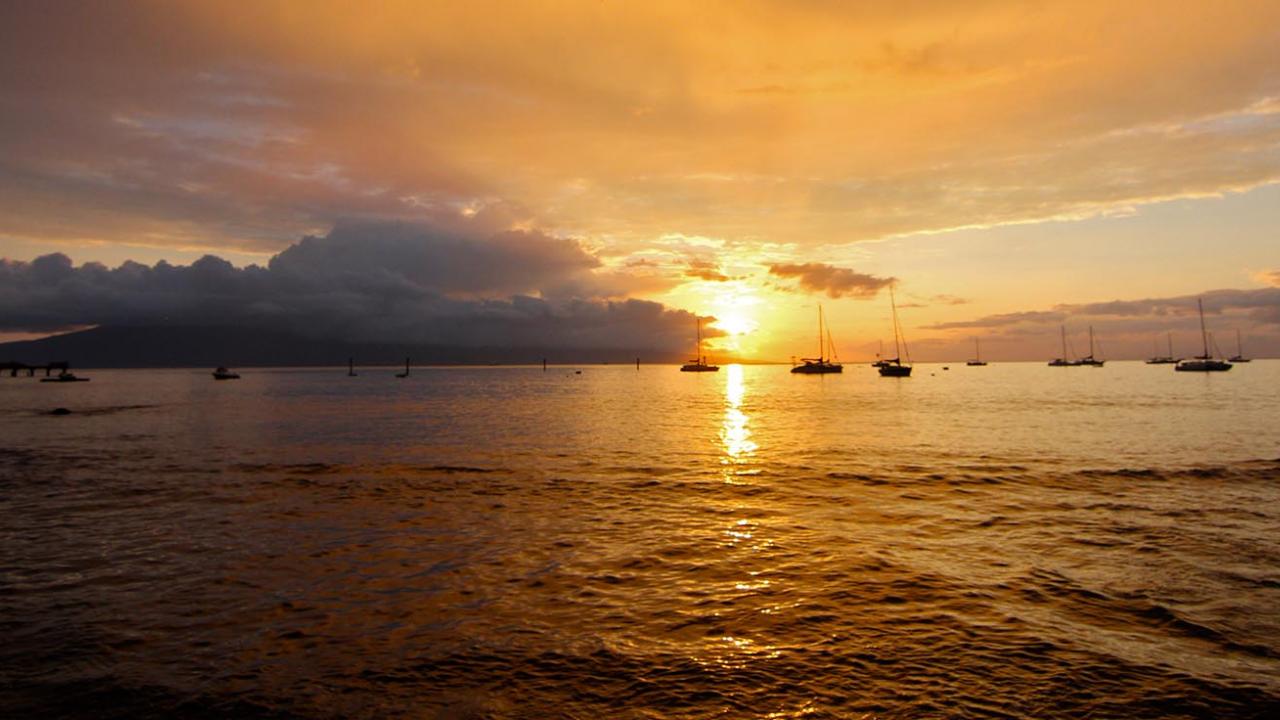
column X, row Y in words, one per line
column 1164, row 359
column 1205, row 361
column 404, row 374
column 64, row 377
column 977, row 360
column 1089, row 359
column 221, row 373
column 699, row 361
column 822, row 364
column 1063, row 361
column 893, row 367
column 1239, row 356
column 880, row 361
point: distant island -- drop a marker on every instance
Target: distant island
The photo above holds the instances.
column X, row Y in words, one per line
column 191, row 346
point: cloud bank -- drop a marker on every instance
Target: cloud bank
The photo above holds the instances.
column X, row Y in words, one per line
column 1260, row 306
column 835, row 281
column 811, row 123
column 363, row 281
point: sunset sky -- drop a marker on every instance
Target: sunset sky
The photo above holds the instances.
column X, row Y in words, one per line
column 1011, row 166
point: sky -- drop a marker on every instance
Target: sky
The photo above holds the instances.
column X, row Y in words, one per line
column 581, row 172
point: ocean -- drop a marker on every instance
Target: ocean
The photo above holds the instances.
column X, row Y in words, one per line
column 1012, row 541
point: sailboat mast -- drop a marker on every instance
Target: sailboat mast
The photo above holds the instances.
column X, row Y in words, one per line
column 1064, row 341
column 977, row 350
column 697, row 354
column 1170, row 344
column 1239, row 347
column 820, row 332
column 897, row 346
column 1203, row 332
column 1090, row 342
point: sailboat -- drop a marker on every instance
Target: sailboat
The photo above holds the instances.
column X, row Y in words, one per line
column 699, row 361
column 1239, row 356
column 1089, row 359
column 1063, row 361
column 824, row 363
column 404, row 374
column 1164, row 359
column 893, row 367
column 880, row 361
column 1203, row 362
column 977, row 360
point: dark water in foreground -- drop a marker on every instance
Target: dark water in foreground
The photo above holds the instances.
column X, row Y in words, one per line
column 1010, row 541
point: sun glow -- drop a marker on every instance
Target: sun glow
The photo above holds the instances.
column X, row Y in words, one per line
column 733, row 309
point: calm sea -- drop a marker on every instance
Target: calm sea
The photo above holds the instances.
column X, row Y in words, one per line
column 1007, row 541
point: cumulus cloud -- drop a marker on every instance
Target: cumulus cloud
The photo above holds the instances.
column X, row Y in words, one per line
column 834, row 281
column 362, row 281
column 705, row 270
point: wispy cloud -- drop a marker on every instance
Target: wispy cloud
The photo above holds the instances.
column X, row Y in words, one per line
column 1261, row 306
column 820, row 124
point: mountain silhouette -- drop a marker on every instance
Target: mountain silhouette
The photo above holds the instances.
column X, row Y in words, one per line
column 191, row 346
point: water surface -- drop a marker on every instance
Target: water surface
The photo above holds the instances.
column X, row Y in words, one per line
column 1007, row 541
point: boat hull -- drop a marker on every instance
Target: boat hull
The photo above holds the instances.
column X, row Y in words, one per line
column 976, row 363
column 1202, row 366
column 699, row 368
column 895, row 371
column 817, row 369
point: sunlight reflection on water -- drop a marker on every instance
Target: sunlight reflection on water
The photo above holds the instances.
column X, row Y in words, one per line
column 734, row 433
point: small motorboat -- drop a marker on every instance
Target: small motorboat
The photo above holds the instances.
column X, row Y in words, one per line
column 221, row 373
column 64, row 376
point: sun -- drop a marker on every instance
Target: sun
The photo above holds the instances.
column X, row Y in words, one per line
column 734, row 314
column 734, row 323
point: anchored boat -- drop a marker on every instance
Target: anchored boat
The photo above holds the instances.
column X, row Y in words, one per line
column 1203, row 362
column 699, row 361
column 824, row 363
column 893, row 367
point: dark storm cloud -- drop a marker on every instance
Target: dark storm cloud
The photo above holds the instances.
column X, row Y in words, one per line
column 834, row 281
column 362, row 281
